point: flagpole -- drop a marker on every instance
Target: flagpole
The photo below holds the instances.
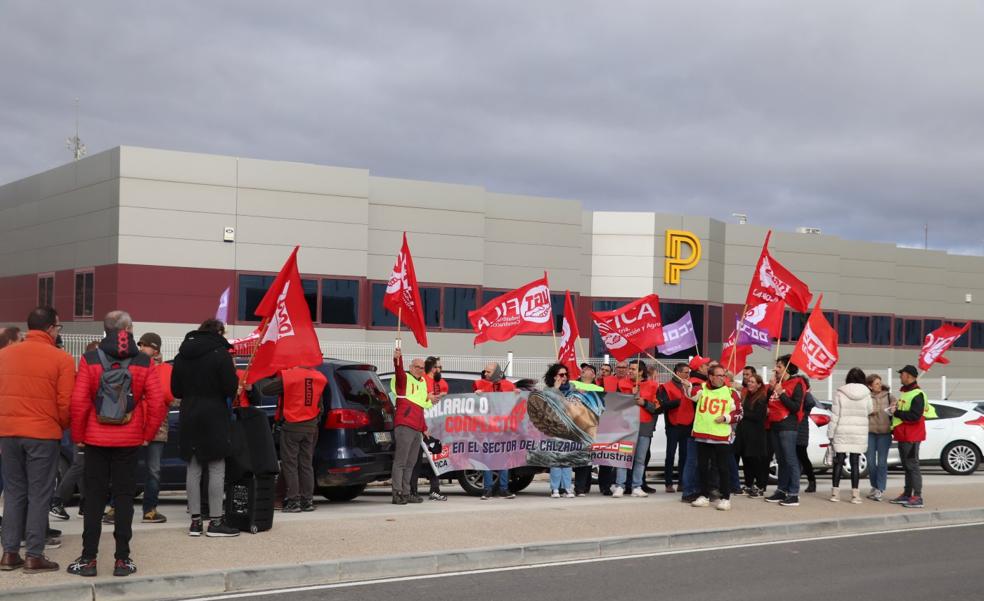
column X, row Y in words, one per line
column 553, row 333
column 242, row 381
column 399, row 318
column 580, row 345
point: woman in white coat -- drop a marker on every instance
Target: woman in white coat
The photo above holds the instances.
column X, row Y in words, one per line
column 848, row 430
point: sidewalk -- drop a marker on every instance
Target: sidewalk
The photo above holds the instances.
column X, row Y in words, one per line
column 372, row 527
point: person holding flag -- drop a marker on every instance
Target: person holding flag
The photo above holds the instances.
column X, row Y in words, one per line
column 909, row 430
column 409, row 426
column 785, row 411
column 674, row 397
column 403, row 295
column 638, row 384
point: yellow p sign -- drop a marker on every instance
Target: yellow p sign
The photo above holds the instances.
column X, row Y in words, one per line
column 675, row 239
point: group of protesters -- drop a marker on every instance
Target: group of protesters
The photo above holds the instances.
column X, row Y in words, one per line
column 714, row 422
column 115, row 403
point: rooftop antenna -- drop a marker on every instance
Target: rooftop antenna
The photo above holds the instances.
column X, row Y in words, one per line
column 742, row 218
column 75, row 143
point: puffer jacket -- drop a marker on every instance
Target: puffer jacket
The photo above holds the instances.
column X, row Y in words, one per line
column 36, row 380
column 149, row 409
column 880, row 422
column 205, row 380
column 848, row 429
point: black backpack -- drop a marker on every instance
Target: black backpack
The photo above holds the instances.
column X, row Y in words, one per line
column 114, row 399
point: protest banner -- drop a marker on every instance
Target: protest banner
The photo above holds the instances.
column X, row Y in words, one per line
column 678, row 336
column 504, row 430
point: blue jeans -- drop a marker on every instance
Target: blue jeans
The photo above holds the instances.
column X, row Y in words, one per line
column 503, row 480
column 676, row 436
column 789, row 466
column 560, row 478
column 877, row 456
column 690, row 479
column 638, row 465
column 152, row 489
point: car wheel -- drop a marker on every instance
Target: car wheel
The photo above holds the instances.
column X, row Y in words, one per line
column 774, row 471
column 472, row 481
column 518, row 483
column 862, row 466
column 960, row 458
column 342, row 493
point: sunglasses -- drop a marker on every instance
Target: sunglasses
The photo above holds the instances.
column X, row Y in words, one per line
column 563, row 375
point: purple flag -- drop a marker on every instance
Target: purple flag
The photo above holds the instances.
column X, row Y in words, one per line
column 750, row 334
column 222, row 313
column 678, row 336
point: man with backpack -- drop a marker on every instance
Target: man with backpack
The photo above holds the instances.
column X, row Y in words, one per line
column 117, row 407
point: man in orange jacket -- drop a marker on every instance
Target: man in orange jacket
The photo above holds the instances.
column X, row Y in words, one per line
column 36, row 381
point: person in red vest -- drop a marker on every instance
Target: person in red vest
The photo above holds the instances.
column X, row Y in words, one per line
column 674, row 397
column 436, row 384
column 785, row 412
column 605, row 371
column 610, row 382
column 438, row 387
column 637, row 383
column 299, row 391
column 150, row 345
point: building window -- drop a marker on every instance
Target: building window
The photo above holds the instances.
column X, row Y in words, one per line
column 252, row 289
column 557, row 308
column 84, row 281
column 340, row 301
column 964, row 340
column 913, row 332
column 843, row 328
column 797, row 323
column 457, row 303
column 715, row 324
column 977, row 335
column 381, row 317
column 928, row 326
column 860, row 329
column 899, row 332
column 881, row 330
column 430, row 298
column 46, row 290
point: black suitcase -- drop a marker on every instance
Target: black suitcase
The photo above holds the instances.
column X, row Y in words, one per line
column 249, row 503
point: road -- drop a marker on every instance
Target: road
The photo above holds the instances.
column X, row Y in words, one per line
column 935, row 564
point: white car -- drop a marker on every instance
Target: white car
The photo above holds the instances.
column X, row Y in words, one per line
column 954, row 439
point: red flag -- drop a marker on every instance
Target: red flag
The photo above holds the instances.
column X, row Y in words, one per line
column 521, row 311
column 403, row 295
column 567, row 353
column 816, row 351
column 734, row 358
column 776, row 286
column 289, row 339
column 632, row 329
column 937, row 342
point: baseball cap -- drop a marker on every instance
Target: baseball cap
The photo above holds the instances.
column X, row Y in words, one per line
column 150, row 339
column 911, row 370
column 697, row 361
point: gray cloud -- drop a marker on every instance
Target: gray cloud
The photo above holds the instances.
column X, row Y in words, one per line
column 865, row 119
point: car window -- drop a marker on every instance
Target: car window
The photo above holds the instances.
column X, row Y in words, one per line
column 979, row 408
column 947, row 412
column 459, row 385
column 359, row 384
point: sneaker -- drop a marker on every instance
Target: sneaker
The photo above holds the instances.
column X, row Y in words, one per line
column 82, row 567
column 900, row 500
column 670, row 488
column 219, row 528
column 436, row 496
column 569, row 495
column 57, row 510
column 52, row 532
column 508, row 495
column 689, row 498
column 196, row 527
column 723, row 505
column 399, row 499
column 291, row 506
column 486, row 495
column 701, row 501
column 555, row 494
column 754, row 493
column 638, row 492
column 414, row 498
column 914, row 503
column 878, row 495
column 109, row 516
column 738, row 491
column 124, row 567
column 617, row 492
column 582, row 494
column 154, row 517
column 52, row 542
column 811, row 486
column 776, row 497
column 871, row 493
column 790, row 501
column 307, row 505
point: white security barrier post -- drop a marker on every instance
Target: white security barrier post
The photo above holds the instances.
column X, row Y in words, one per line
column 607, row 359
column 830, row 388
column 509, row 364
column 942, row 388
column 888, row 380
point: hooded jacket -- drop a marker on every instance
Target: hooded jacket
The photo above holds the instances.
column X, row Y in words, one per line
column 848, row 429
column 149, row 408
column 204, row 378
column 36, row 380
column 880, row 422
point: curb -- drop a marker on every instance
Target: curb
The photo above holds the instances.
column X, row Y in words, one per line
column 261, row 578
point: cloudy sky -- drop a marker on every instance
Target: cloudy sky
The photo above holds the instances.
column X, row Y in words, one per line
column 863, row 118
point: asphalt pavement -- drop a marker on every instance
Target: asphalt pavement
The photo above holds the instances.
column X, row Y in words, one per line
column 936, row 564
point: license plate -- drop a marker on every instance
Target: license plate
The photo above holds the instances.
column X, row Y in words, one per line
column 382, row 437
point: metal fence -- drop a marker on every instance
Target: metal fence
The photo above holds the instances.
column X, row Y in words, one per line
column 380, row 354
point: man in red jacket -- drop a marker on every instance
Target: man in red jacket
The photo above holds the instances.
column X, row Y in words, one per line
column 111, row 448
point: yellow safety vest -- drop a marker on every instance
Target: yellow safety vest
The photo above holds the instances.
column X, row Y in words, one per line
column 586, row 386
column 905, row 401
column 416, row 391
column 713, row 403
